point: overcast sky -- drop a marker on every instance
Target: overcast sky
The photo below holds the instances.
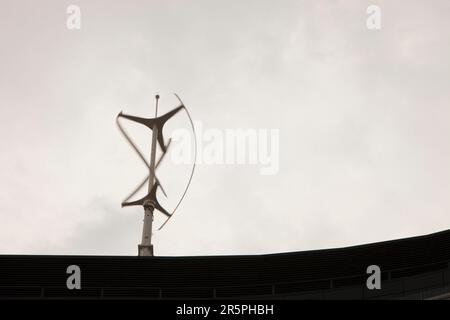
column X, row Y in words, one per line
column 363, row 116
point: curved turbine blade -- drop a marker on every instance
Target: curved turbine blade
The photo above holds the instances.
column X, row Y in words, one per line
column 193, row 166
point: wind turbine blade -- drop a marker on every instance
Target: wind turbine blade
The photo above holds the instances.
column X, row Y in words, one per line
column 193, row 166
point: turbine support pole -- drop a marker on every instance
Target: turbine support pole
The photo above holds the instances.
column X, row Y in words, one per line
column 146, row 247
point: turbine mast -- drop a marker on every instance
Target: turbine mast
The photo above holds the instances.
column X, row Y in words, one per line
column 146, row 247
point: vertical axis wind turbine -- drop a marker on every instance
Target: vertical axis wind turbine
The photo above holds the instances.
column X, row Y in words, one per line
column 150, row 201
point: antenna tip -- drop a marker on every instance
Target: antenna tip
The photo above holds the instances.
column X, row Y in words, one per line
column 157, row 96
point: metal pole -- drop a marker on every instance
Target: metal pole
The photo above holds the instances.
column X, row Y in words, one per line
column 146, row 247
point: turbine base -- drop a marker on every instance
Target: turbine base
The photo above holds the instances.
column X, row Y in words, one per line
column 145, row 250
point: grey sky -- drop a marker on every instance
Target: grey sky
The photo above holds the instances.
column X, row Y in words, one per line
column 363, row 118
